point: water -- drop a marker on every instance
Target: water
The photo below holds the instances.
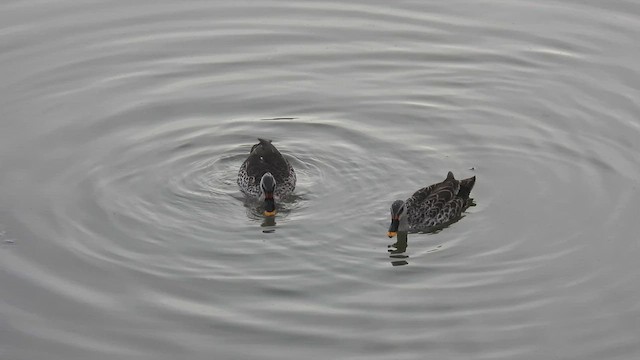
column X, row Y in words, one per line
column 123, row 234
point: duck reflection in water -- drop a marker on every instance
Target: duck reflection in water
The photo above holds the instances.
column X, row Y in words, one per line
column 269, row 224
column 398, row 249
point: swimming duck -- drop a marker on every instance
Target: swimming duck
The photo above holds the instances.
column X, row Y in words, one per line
column 431, row 207
column 266, row 174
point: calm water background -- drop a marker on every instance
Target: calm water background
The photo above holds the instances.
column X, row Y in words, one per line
column 124, row 235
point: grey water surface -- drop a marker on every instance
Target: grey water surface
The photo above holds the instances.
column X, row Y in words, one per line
column 123, row 234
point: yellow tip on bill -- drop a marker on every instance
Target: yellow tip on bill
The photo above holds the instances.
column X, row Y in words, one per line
column 269, row 213
column 392, row 234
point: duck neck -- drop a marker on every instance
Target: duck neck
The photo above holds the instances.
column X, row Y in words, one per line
column 403, row 226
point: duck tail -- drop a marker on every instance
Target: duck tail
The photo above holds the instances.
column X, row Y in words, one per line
column 267, row 146
column 263, row 145
column 466, row 185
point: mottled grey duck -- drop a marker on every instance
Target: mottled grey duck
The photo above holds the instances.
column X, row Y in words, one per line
column 266, row 174
column 431, row 207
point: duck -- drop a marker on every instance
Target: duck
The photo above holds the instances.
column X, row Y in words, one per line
column 266, row 175
column 432, row 207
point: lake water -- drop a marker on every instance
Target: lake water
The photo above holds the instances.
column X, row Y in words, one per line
column 123, row 234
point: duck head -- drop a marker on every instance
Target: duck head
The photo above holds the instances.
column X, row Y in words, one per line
column 268, row 187
column 398, row 218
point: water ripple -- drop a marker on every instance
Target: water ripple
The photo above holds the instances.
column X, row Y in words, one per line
column 125, row 126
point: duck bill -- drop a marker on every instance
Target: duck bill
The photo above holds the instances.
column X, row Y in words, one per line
column 269, row 205
column 393, row 228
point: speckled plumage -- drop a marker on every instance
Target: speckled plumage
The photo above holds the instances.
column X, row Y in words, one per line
column 438, row 204
column 263, row 158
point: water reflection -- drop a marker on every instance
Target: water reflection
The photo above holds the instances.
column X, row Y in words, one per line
column 254, row 211
column 397, row 250
column 269, row 223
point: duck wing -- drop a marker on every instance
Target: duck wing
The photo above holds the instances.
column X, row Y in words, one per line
column 264, row 157
column 437, row 194
column 426, row 204
column 439, row 203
